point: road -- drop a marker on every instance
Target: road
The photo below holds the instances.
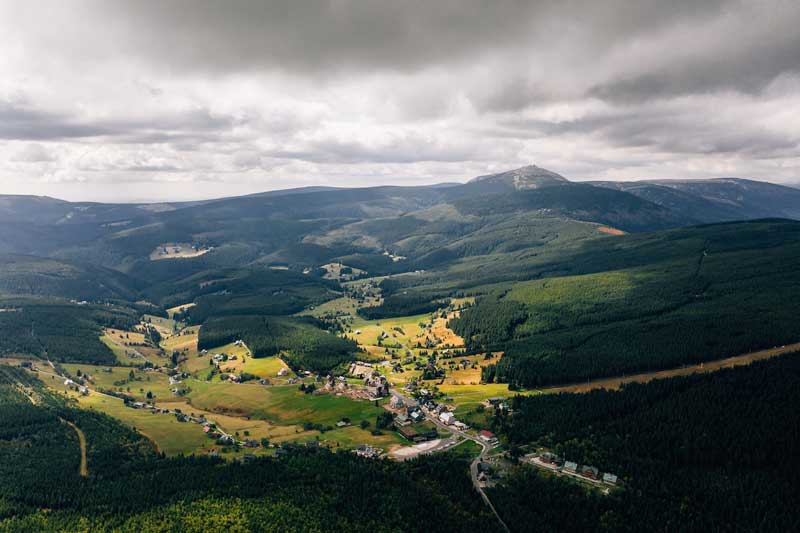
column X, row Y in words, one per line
column 473, row 467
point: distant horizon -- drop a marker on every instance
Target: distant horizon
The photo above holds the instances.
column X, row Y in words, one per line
column 132, row 200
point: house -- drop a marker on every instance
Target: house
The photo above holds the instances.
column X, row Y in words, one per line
column 484, row 467
column 486, row 435
column 264, row 381
column 68, row 382
column 233, row 378
column 138, row 405
column 401, row 420
column 250, row 443
column 283, row 371
column 408, row 432
column 460, row 425
column 447, row 417
column 174, row 380
column 610, row 479
column 206, row 429
column 590, row 472
column 342, row 423
column 377, row 385
column 26, row 364
column 571, row 467
column 549, row 458
column 416, row 416
column 368, row 451
column 396, row 402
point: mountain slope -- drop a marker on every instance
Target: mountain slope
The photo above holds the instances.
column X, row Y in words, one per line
column 716, row 200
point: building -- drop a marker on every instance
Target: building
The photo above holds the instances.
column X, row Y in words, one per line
column 447, row 417
column 590, row 472
column 486, row 435
column 396, row 402
column 283, row 371
column 368, row 451
column 408, row 432
column 377, row 386
column 571, row 467
column 401, row 420
column 610, row 479
column 549, row 458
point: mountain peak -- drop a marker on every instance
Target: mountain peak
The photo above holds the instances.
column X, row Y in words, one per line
column 527, row 177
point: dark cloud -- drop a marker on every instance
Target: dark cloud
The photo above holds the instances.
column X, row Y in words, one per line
column 18, row 122
column 333, row 35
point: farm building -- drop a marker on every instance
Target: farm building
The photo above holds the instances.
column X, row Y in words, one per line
column 571, row 467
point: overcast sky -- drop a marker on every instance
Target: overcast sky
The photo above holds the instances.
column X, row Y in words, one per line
column 150, row 100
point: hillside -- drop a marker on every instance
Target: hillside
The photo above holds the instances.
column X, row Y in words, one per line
column 728, row 289
column 702, row 201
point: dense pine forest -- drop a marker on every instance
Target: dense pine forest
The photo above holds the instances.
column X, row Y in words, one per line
column 62, row 331
column 714, row 452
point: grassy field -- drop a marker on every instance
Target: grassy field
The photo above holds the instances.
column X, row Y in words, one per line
column 184, row 342
column 172, row 311
column 338, row 306
column 166, row 327
column 144, row 382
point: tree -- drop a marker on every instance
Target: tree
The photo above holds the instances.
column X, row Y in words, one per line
column 364, row 424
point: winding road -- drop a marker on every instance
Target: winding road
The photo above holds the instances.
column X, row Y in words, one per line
column 473, row 467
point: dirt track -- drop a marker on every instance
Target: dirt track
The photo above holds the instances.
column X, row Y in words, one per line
column 710, row 366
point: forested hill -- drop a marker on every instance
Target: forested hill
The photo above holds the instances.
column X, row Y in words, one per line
column 651, row 302
column 712, row 452
column 305, row 228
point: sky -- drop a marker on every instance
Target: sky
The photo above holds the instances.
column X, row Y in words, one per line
column 131, row 100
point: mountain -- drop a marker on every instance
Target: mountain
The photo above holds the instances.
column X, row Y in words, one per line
column 715, row 200
column 382, row 230
column 523, row 178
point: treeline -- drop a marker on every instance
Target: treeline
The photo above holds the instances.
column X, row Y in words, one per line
column 300, row 341
column 309, row 490
column 403, row 305
column 61, row 331
column 711, row 452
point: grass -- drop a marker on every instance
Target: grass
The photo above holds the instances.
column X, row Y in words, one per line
column 466, row 397
column 155, row 382
column 185, row 342
column 166, row 327
column 172, row 311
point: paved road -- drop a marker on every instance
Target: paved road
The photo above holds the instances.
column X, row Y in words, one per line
column 473, row 467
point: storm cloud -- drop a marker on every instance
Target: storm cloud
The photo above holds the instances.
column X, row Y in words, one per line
column 207, row 98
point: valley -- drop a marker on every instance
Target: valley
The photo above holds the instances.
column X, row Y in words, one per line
column 402, row 328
